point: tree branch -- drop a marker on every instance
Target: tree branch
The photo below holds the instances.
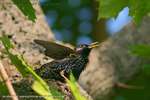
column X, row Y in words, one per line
column 112, row 62
column 7, row 82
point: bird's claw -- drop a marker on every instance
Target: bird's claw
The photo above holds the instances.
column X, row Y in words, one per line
column 62, row 74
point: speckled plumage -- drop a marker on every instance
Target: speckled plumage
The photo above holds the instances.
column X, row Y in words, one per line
column 65, row 59
column 74, row 64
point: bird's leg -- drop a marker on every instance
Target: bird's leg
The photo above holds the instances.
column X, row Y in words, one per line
column 62, row 74
column 64, row 86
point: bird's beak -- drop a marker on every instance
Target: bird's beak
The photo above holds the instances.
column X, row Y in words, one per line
column 93, row 45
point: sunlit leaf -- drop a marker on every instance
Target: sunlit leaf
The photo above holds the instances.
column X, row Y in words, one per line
column 26, row 8
column 6, row 42
column 43, row 89
column 40, row 89
column 74, row 88
column 56, row 94
column 25, row 69
column 111, row 8
column 19, row 63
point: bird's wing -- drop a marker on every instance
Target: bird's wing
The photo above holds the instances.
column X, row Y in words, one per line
column 54, row 50
column 49, row 70
column 58, row 65
column 52, row 70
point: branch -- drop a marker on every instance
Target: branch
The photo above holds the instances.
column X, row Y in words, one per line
column 7, row 82
column 113, row 63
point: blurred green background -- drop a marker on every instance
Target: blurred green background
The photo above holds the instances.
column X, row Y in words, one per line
column 75, row 21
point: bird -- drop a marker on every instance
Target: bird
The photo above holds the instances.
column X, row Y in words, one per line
column 66, row 60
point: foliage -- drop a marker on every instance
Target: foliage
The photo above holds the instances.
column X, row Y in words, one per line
column 140, row 80
column 26, row 8
column 4, row 90
column 146, row 69
column 141, row 50
column 107, row 9
column 39, row 85
column 110, row 8
column 74, row 89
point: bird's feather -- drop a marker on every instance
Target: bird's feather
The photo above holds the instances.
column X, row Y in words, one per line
column 54, row 50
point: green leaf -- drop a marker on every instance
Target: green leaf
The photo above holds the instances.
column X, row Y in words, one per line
column 146, row 69
column 138, row 9
column 6, row 42
column 74, row 88
column 19, row 63
column 111, row 8
column 42, row 90
column 3, row 89
column 26, row 8
column 56, row 93
column 141, row 50
column 39, row 85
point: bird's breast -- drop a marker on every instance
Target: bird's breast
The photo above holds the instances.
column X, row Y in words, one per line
column 78, row 66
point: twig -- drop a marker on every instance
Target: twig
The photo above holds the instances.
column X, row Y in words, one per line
column 8, row 82
column 126, row 86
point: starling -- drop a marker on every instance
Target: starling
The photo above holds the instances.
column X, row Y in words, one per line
column 65, row 59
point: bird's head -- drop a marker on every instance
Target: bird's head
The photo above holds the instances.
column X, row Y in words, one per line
column 84, row 49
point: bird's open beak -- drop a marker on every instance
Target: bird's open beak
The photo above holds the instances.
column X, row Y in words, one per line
column 93, row 45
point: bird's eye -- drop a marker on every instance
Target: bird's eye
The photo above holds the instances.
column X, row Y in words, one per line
column 81, row 46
